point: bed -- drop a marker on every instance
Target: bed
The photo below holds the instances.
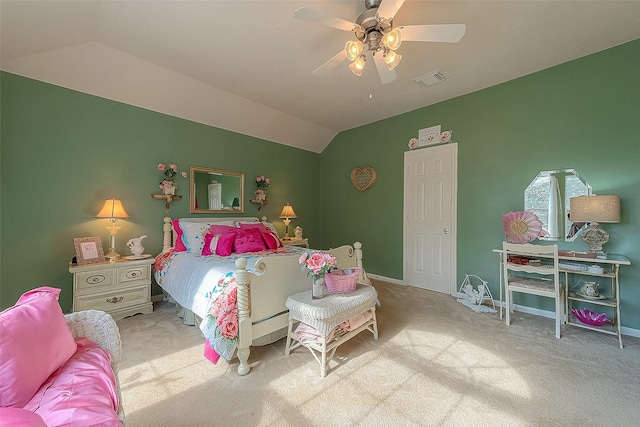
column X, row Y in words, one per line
column 264, row 280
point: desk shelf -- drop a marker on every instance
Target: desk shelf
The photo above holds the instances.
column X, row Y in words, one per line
column 611, row 267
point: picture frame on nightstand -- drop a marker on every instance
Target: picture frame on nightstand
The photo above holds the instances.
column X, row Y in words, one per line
column 88, row 250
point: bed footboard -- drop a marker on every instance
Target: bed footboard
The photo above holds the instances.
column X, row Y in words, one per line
column 275, row 279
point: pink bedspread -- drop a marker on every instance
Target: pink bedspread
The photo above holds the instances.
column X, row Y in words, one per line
column 81, row 393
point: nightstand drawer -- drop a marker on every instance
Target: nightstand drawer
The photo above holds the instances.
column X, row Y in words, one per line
column 132, row 274
column 110, row 301
column 91, row 279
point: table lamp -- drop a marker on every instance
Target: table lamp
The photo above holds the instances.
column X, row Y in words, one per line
column 287, row 213
column 112, row 210
column 595, row 209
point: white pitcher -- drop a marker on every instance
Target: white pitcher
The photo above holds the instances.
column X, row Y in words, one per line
column 135, row 245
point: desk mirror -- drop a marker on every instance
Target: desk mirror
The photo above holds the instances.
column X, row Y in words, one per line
column 215, row 191
column 548, row 197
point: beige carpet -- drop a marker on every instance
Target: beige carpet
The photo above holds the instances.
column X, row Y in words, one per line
column 437, row 363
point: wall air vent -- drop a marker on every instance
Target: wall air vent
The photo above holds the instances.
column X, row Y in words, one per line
column 431, row 78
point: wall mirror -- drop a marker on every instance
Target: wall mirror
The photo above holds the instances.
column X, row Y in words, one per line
column 548, row 197
column 215, row 191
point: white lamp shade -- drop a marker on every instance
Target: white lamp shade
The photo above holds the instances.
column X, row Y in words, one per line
column 353, row 49
column 393, row 39
column 595, row 209
column 358, row 65
column 392, row 59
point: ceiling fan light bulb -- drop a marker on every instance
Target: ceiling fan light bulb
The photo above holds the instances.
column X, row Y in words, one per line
column 357, row 66
column 353, row 49
column 392, row 59
column 392, row 39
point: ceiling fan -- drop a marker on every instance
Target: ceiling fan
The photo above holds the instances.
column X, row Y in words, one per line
column 375, row 31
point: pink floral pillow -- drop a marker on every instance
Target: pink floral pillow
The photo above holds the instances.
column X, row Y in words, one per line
column 248, row 240
column 35, row 342
column 179, row 246
column 221, row 229
column 225, row 244
column 260, row 226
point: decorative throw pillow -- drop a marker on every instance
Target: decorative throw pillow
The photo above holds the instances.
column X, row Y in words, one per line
column 221, row 229
column 270, row 241
column 18, row 417
column 225, row 244
column 260, row 226
column 35, row 342
column 210, row 244
column 193, row 236
column 179, row 246
column 248, row 240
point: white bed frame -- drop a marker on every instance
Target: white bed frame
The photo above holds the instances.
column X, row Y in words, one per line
column 262, row 294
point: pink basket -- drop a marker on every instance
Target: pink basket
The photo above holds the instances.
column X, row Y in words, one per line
column 342, row 281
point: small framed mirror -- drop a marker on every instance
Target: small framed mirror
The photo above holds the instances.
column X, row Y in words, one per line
column 548, row 196
column 215, row 191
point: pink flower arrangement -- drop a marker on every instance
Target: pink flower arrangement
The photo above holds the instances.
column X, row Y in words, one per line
column 317, row 262
column 169, row 171
column 262, row 182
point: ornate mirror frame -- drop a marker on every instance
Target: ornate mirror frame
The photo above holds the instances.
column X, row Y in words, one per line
column 215, row 191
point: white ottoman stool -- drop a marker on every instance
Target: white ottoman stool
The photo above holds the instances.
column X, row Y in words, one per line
column 324, row 315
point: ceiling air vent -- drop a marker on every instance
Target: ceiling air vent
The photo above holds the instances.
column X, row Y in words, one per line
column 431, row 78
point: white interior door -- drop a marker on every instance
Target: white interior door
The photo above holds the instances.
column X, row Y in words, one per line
column 430, row 200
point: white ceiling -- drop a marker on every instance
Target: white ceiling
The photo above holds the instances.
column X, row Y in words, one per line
column 247, row 66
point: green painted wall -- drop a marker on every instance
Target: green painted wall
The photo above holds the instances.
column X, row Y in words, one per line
column 64, row 152
column 583, row 114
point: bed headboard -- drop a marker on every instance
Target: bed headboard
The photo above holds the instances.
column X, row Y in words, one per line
column 169, row 236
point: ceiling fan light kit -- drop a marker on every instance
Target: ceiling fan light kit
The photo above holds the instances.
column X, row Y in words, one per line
column 374, row 30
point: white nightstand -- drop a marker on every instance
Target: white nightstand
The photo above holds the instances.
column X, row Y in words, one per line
column 302, row 242
column 121, row 288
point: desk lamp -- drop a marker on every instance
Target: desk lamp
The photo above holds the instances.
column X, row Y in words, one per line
column 287, row 213
column 112, row 210
column 595, row 209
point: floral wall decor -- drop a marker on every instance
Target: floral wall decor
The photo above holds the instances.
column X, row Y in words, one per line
column 363, row 178
column 262, row 183
column 521, row 227
column 169, row 172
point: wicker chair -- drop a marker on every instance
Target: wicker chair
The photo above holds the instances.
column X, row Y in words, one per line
column 100, row 328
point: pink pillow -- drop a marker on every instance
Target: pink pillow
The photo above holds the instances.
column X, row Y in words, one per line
column 248, row 240
column 225, row 244
column 221, row 229
column 260, row 226
column 210, row 244
column 270, row 240
column 35, row 342
column 17, row 417
column 179, row 246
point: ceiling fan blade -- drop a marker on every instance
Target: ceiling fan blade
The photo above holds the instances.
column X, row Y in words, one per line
column 330, row 64
column 386, row 75
column 450, row 33
column 389, row 8
column 322, row 18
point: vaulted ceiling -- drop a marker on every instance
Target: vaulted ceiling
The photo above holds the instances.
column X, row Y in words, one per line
column 247, row 66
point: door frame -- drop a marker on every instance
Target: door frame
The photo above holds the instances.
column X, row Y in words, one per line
column 453, row 147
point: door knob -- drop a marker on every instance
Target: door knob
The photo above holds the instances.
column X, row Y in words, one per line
column 446, row 231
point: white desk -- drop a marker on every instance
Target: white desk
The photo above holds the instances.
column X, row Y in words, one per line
column 611, row 267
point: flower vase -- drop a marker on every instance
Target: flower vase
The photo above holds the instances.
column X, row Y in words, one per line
column 319, row 289
column 169, row 190
column 262, row 196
